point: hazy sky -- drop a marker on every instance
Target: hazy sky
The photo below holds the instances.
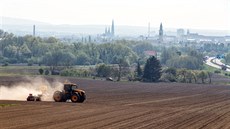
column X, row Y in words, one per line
column 203, row 14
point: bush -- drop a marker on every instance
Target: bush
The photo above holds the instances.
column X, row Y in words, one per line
column 55, row 72
column 169, row 74
column 12, row 60
column 47, row 72
column 5, row 64
column 103, row 70
column 76, row 72
column 217, row 71
column 30, row 64
column 168, row 77
column 41, row 71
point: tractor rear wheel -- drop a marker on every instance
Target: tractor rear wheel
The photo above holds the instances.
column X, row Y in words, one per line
column 75, row 98
column 58, row 95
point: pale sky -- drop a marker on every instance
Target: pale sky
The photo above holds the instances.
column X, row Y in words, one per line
column 198, row 14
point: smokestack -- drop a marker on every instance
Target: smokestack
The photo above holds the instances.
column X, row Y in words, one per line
column 34, row 30
column 112, row 28
column 149, row 29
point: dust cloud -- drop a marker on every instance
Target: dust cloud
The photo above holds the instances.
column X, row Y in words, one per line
column 36, row 86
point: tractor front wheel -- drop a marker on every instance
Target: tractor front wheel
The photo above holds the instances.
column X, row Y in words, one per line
column 75, row 98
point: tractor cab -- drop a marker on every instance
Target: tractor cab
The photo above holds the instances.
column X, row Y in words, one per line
column 69, row 87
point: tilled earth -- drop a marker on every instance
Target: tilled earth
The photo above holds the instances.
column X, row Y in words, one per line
column 126, row 105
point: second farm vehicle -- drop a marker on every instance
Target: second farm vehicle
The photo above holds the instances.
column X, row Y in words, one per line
column 70, row 92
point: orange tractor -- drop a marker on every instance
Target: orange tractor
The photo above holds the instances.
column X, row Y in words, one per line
column 70, row 92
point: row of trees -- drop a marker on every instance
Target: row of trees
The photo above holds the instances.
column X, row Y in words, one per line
column 50, row 51
column 153, row 72
column 217, row 47
column 186, row 76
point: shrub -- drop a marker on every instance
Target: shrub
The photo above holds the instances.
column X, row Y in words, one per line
column 103, row 70
column 203, row 75
column 5, row 64
column 30, row 64
column 41, row 71
column 217, row 71
column 76, row 72
column 47, row 72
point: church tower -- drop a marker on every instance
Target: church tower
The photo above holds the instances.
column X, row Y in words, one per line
column 161, row 34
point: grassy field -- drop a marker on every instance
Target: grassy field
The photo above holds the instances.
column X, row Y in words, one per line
column 19, row 70
column 7, row 105
column 23, row 70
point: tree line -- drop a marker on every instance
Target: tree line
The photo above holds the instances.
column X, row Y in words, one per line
column 52, row 52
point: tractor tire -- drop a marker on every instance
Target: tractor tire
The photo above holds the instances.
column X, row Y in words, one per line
column 75, row 98
column 58, row 96
column 82, row 98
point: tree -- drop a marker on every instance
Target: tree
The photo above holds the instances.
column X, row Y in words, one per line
column 210, row 77
column 169, row 74
column 122, row 64
column 152, row 70
column 51, row 40
column 41, row 71
column 139, row 70
column 188, row 62
column 68, row 59
column 182, row 75
column 82, row 59
column 58, row 58
column 227, row 58
column 203, row 75
column 168, row 54
column 103, row 70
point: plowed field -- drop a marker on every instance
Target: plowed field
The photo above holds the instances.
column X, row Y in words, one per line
column 127, row 105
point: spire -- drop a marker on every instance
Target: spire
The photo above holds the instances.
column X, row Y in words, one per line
column 161, row 33
column 161, row 30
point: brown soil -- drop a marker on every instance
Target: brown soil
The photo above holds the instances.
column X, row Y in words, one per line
column 125, row 105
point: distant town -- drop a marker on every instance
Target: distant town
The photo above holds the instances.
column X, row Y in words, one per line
column 96, row 33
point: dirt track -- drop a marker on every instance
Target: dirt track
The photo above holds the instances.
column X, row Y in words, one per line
column 127, row 105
